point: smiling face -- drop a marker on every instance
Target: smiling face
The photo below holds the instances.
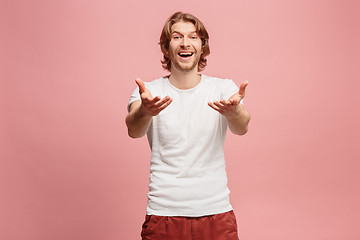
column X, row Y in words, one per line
column 185, row 47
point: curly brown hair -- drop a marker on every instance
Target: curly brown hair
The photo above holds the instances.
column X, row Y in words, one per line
column 165, row 38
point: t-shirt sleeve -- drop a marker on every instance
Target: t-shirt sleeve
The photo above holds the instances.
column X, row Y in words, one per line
column 134, row 97
column 229, row 89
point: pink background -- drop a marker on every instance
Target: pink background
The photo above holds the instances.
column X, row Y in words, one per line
column 68, row 170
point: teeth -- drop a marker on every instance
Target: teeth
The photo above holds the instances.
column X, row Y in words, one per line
column 185, row 54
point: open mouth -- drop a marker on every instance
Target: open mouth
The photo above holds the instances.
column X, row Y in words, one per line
column 185, row 55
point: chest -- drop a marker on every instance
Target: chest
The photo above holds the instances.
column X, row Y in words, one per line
column 188, row 118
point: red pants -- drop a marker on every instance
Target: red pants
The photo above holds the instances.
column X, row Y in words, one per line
column 213, row 227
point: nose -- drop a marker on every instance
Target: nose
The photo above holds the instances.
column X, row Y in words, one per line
column 185, row 42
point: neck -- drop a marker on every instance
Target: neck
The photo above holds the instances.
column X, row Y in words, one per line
column 184, row 79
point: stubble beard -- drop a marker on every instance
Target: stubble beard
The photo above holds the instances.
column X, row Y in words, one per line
column 184, row 66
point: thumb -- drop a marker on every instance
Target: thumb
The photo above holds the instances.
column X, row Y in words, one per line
column 141, row 85
column 242, row 88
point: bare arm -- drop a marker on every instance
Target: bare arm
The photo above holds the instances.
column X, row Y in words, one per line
column 236, row 116
column 141, row 112
column 239, row 121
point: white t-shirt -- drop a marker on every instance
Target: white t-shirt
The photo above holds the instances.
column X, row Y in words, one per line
column 187, row 172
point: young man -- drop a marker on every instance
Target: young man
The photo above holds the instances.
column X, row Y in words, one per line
column 185, row 116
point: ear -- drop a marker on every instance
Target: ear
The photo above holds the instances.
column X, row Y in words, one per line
column 202, row 47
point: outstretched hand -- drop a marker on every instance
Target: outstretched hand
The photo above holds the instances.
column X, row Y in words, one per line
column 230, row 106
column 151, row 105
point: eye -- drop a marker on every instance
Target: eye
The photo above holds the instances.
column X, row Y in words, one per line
column 176, row 37
column 194, row 37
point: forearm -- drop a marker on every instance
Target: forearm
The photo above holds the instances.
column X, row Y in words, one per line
column 238, row 122
column 137, row 123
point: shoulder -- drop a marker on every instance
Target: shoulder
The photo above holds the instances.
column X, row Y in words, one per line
column 226, row 87
column 157, row 82
column 216, row 80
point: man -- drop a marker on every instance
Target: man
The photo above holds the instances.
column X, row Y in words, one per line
column 185, row 116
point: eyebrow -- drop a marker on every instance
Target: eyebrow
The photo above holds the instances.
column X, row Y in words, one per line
column 183, row 34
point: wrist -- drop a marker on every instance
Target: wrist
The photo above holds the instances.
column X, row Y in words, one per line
column 143, row 112
column 235, row 113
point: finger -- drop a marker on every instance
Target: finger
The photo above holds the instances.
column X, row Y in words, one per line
column 225, row 103
column 235, row 101
column 226, row 106
column 216, row 103
column 162, row 101
column 141, row 85
column 154, row 100
column 242, row 88
column 215, row 107
column 164, row 105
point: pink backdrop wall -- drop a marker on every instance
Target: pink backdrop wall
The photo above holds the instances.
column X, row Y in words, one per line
column 68, row 170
